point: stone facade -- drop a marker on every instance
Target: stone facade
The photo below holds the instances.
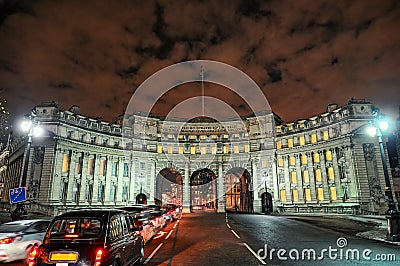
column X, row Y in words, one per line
column 327, row 161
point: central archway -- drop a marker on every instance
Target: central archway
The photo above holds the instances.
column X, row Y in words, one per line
column 203, row 190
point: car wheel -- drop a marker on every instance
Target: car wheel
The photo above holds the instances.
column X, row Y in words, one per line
column 28, row 251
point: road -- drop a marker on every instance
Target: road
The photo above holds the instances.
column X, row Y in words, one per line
column 235, row 239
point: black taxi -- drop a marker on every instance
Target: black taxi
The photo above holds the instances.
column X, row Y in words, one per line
column 90, row 237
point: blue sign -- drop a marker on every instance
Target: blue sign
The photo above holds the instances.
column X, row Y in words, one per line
column 17, row 195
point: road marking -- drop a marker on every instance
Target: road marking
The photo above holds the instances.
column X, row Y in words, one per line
column 249, row 248
column 160, row 234
column 175, row 225
column 152, row 253
column 235, row 234
column 170, row 232
column 228, row 225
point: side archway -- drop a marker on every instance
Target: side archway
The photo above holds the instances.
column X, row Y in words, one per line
column 168, row 187
column 203, row 190
column 238, row 193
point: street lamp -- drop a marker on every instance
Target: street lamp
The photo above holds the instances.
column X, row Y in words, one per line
column 32, row 130
column 376, row 128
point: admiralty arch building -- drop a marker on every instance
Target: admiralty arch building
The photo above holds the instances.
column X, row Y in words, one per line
column 258, row 163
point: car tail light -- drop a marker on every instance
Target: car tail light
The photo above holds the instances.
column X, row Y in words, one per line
column 99, row 256
column 9, row 240
column 32, row 256
column 71, row 235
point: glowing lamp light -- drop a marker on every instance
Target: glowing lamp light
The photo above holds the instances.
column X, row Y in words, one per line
column 383, row 125
column 372, row 131
column 26, row 125
column 37, row 131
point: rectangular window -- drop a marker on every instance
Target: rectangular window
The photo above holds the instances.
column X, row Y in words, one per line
column 192, row 150
column 306, row 178
column 304, row 159
column 328, row 155
column 236, row 149
column 124, row 194
column 320, row 194
column 78, row 165
column 113, row 193
column 142, row 166
column 114, row 169
column 302, row 141
column 293, row 176
column 331, row 173
column 283, row 195
column 180, row 150
column 126, row 170
column 159, row 149
column 100, row 193
column 295, row 195
column 214, row 149
column 246, row 148
column 290, row 143
column 333, row 195
column 279, row 144
column 169, row 149
column 90, row 166
column 280, row 162
column 203, row 150
column 325, row 135
column 292, row 161
column 65, row 163
column 313, row 138
column 226, row 149
column 318, row 176
column 102, row 167
column 307, row 194
column 264, row 164
column 316, row 157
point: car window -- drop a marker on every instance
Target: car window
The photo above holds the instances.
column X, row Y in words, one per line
column 115, row 229
column 76, row 228
column 125, row 228
column 38, row 227
column 12, row 228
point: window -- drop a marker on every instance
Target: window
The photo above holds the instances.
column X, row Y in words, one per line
column 293, row 176
column 246, row 148
column 320, row 194
column 105, row 142
column 313, row 138
column 125, row 193
column 290, row 143
column 180, row 150
column 85, row 228
column 280, row 161
column 75, row 193
column 113, row 193
column 192, row 150
column 78, row 165
column 328, row 155
column 331, row 173
column 89, row 193
column 90, row 166
column 102, row 167
column 316, row 157
column 303, row 159
column 295, row 195
column 214, row 149
column 92, row 140
column 325, row 135
column 307, row 194
column 203, row 150
column 116, row 229
column 283, row 195
column 69, row 134
column 142, row 166
column 264, row 164
column 306, row 178
column 333, row 195
column 318, row 176
column 292, row 161
column 302, row 141
column 226, row 149
column 235, row 149
column 100, row 193
column 126, row 170
column 116, row 144
column 169, row 149
column 114, row 169
column 279, row 144
column 65, row 163
column 159, row 149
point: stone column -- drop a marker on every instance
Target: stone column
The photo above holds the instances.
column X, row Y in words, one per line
column 96, row 174
column 325, row 186
column 335, row 164
column 132, row 178
column 107, row 189
column 288, row 189
column 55, row 186
column 186, row 190
column 311, row 176
column 152, row 182
column 221, row 192
column 275, row 180
column 299, row 179
column 255, row 180
column 71, row 173
column 82, row 196
column 120, row 179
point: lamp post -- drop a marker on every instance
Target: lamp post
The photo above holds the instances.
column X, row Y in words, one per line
column 392, row 215
column 33, row 130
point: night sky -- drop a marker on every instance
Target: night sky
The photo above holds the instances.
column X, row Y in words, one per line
column 302, row 54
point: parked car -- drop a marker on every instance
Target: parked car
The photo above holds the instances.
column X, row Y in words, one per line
column 17, row 238
column 90, row 237
column 171, row 211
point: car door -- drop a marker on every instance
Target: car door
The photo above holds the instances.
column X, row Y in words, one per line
column 134, row 237
column 129, row 252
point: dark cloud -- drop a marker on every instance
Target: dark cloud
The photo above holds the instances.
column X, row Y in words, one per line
column 303, row 54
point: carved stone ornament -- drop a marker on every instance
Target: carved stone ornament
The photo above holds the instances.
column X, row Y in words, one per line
column 369, row 152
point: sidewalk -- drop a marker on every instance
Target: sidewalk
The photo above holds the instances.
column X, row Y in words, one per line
column 377, row 224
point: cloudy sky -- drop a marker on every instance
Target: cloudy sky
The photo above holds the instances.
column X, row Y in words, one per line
column 302, row 54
